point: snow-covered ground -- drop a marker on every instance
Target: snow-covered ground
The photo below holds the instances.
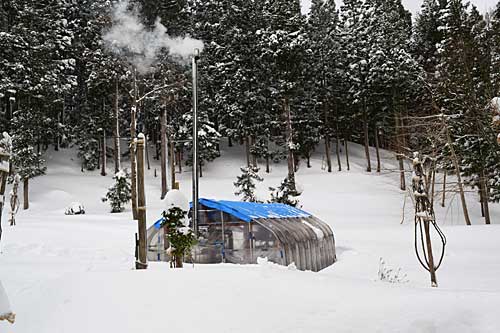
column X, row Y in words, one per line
column 75, row 273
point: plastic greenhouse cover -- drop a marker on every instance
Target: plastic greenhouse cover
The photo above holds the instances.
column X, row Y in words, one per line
column 247, row 211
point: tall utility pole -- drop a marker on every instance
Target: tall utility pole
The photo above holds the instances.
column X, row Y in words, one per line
column 196, row 57
column 142, row 260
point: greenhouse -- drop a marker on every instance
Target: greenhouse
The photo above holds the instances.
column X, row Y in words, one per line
column 241, row 232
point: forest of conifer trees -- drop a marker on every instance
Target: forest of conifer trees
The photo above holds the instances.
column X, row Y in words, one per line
column 281, row 83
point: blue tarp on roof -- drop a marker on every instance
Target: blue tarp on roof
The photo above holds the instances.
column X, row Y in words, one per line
column 247, row 211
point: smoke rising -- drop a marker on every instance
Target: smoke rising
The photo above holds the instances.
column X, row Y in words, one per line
column 129, row 38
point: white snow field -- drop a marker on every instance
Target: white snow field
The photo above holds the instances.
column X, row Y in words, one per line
column 74, row 274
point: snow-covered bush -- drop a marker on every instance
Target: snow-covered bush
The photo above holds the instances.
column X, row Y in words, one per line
column 120, row 193
column 246, row 183
column 390, row 275
column 75, row 208
column 180, row 237
column 287, row 193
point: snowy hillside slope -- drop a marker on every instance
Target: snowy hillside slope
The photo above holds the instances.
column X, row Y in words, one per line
column 75, row 273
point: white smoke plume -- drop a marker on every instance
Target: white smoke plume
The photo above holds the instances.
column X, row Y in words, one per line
column 128, row 37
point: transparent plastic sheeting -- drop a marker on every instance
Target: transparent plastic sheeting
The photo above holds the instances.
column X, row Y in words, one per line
column 307, row 242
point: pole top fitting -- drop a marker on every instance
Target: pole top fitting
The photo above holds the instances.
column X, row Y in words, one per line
column 196, row 54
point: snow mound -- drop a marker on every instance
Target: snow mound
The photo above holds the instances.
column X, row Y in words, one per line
column 75, row 208
column 175, row 198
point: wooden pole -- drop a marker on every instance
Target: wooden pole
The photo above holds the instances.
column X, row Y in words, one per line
column 26, row 199
column 142, row 262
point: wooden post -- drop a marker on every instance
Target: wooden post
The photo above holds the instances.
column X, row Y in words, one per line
column 142, row 262
column 26, row 196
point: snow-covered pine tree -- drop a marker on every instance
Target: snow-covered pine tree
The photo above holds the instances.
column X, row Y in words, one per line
column 286, row 193
column 284, row 47
column 323, row 78
column 463, row 91
column 26, row 160
column 119, row 194
column 245, row 183
column 208, row 139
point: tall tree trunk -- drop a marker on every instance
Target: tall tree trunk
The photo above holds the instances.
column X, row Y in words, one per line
column 146, row 147
column 26, row 197
column 172, row 161
column 399, row 150
column 247, row 150
column 254, row 157
column 268, row 169
column 337, row 150
column 179, row 160
column 116, row 134
column 163, row 152
column 454, row 159
column 328, row 153
column 443, row 198
column 485, row 196
column 103, row 144
column 327, row 140
column 103, row 157
column 377, row 148
column 346, row 144
column 367, row 139
column 291, row 166
column 337, row 138
column 133, row 159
